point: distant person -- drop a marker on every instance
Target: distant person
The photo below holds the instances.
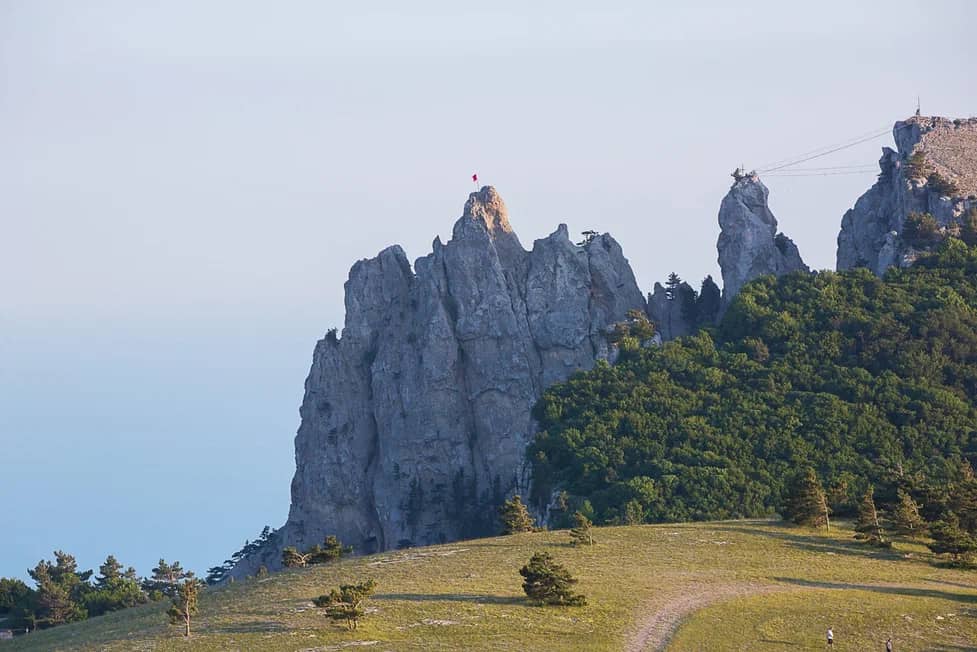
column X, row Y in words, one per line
column 831, row 637
column 888, row 645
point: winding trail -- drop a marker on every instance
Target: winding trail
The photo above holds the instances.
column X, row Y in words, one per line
column 656, row 630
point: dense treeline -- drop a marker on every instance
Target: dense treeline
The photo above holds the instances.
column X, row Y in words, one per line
column 867, row 381
column 63, row 594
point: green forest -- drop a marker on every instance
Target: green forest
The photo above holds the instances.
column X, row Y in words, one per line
column 867, row 381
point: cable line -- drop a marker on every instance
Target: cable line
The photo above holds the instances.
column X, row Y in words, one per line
column 788, row 173
column 810, row 155
column 830, row 151
column 874, row 133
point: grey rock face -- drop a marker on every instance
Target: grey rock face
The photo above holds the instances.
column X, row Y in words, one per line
column 870, row 231
column 418, row 417
column 749, row 244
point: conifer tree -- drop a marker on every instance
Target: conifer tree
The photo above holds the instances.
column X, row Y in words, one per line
column 184, row 606
column 963, row 500
column 807, row 503
column 583, row 532
column 950, row 539
column 330, row 550
column 109, row 573
column 547, row 582
column 868, row 528
column 905, row 516
column 515, row 517
column 115, row 589
column 165, row 580
column 346, row 602
column 61, row 590
column 672, row 285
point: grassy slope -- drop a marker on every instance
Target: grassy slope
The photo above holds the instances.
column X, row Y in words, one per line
column 467, row 596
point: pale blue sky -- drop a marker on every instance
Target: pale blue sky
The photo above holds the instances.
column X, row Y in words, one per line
column 183, row 188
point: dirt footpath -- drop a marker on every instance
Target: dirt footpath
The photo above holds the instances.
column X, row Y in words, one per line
column 656, row 630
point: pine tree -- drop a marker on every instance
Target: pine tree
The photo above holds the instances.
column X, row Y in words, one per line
column 62, row 590
column 963, row 500
column 114, row 589
column 346, row 602
column 807, row 504
column 583, row 532
column 515, row 517
column 184, row 606
column 547, row 582
column 671, row 285
column 867, row 525
column 330, row 550
column 165, row 580
column 55, row 606
column 292, row 558
column 110, row 573
column 950, row 539
column 905, row 516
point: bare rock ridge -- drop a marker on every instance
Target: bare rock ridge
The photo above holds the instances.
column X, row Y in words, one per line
column 415, row 421
column 933, row 170
column 749, row 244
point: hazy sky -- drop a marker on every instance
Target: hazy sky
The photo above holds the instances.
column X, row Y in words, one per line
column 184, row 185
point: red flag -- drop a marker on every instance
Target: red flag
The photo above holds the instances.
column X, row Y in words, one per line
column 474, row 178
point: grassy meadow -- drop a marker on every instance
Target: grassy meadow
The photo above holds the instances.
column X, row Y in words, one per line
column 738, row 585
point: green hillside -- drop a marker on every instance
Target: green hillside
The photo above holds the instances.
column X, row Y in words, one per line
column 762, row 585
column 866, row 380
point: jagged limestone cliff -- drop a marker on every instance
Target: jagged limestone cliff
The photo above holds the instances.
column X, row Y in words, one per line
column 749, row 244
column 415, row 421
column 941, row 181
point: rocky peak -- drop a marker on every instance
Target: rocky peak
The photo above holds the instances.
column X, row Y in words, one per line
column 486, row 208
column 749, row 244
column 933, row 170
column 415, row 422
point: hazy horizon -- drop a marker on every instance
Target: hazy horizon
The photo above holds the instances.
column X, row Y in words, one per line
column 183, row 189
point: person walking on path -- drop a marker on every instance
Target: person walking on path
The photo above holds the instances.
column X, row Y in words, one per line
column 888, row 644
column 831, row 637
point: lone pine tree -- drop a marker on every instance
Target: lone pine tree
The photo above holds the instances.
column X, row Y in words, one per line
column 346, row 602
column 583, row 531
column 547, row 582
column 515, row 517
column 184, row 606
